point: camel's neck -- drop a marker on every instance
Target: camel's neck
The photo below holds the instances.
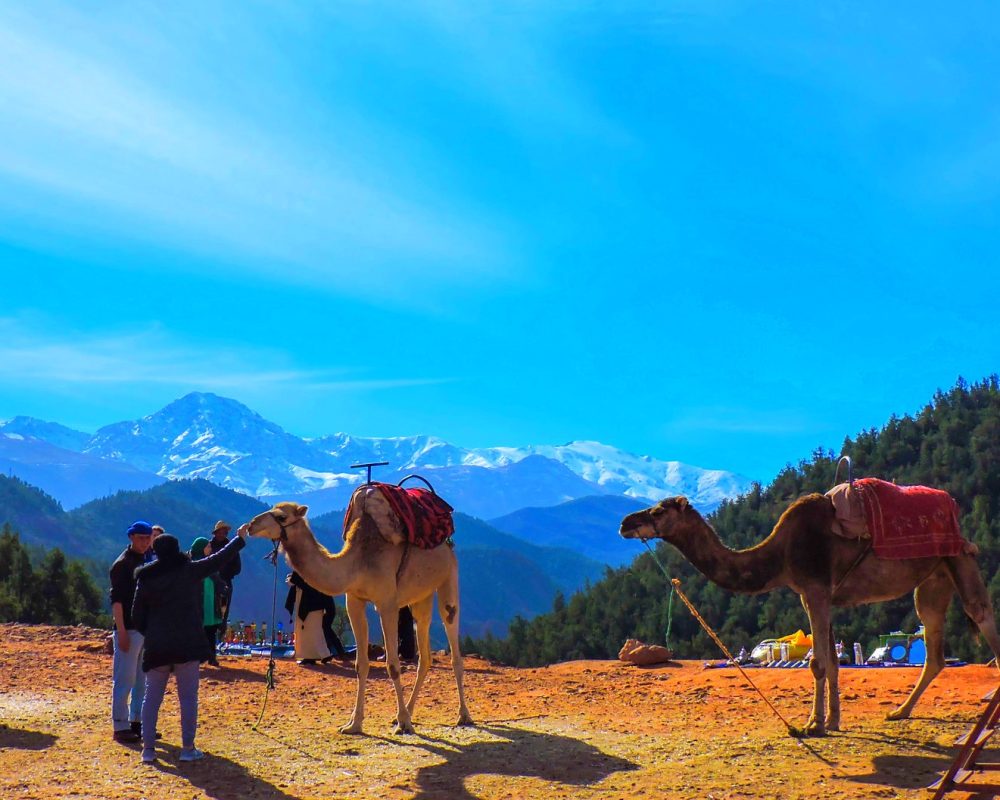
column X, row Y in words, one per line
column 757, row 569
column 331, row 574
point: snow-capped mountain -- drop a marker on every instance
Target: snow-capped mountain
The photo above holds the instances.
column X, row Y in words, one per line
column 220, row 440
column 51, row 432
column 614, row 470
column 206, row 436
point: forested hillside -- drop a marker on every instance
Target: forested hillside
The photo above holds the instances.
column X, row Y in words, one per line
column 952, row 444
column 56, row 590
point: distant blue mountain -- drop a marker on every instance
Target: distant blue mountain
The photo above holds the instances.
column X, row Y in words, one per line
column 73, row 478
column 588, row 526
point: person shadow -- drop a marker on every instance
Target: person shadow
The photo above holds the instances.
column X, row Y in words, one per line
column 516, row 753
column 231, row 674
column 219, row 778
column 19, row 739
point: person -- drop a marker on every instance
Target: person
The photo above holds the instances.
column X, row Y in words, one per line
column 150, row 553
column 220, row 537
column 127, row 680
column 312, row 613
column 212, row 615
column 169, row 611
column 407, row 635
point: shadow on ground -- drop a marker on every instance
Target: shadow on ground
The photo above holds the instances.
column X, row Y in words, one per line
column 904, row 772
column 521, row 753
column 18, row 739
column 218, row 777
column 902, row 769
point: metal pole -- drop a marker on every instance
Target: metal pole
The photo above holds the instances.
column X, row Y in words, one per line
column 369, row 466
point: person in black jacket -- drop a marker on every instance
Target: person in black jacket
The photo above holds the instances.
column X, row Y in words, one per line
column 168, row 611
column 224, row 583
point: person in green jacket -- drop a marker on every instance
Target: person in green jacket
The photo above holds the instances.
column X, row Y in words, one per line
column 212, row 618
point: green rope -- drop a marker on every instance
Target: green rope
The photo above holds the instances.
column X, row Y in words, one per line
column 670, row 614
column 670, row 601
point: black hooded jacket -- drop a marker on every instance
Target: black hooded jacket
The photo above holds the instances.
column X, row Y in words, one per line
column 169, row 606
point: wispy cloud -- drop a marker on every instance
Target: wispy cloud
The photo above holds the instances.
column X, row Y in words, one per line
column 105, row 150
column 509, row 54
column 717, row 419
column 32, row 354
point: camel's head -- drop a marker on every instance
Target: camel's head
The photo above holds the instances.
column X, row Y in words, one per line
column 273, row 523
column 656, row 522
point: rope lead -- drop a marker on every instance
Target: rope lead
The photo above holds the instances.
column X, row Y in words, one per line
column 269, row 676
column 675, row 586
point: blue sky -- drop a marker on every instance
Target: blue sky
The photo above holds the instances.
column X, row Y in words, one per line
column 724, row 233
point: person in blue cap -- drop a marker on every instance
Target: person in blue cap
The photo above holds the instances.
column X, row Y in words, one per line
column 128, row 683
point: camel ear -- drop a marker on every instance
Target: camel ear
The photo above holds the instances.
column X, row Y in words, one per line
column 301, row 511
column 682, row 504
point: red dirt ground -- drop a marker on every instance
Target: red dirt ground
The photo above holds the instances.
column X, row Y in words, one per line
column 586, row 729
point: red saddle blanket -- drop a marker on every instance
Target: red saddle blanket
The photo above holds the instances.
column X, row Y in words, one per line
column 909, row 521
column 426, row 517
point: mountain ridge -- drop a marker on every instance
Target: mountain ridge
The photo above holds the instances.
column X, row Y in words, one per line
column 203, row 435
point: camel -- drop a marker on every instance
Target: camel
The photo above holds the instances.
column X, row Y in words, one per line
column 376, row 566
column 826, row 570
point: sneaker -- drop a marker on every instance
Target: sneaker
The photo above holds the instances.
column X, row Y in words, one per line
column 127, row 736
column 137, row 728
column 194, row 754
column 148, row 755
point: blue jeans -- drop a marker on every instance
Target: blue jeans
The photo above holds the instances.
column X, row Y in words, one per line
column 127, row 679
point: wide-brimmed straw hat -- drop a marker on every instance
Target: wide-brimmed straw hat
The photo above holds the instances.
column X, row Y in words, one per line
column 222, row 525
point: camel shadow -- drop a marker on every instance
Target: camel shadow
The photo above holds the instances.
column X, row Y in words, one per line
column 18, row 739
column 903, row 772
column 520, row 753
column 914, row 771
column 219, row 778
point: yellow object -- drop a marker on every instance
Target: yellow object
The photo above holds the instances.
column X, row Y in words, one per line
column 799, row 645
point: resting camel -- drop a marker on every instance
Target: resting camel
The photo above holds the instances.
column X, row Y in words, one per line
column 375, row 566
column 804, row 554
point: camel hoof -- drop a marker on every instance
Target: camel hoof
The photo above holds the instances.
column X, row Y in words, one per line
column 898, row 714
column 401, row 729
column 351, row 729
column 833, row 724
column 465, row 721
column 815, row 729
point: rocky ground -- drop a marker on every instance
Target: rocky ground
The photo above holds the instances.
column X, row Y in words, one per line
column 574, row 730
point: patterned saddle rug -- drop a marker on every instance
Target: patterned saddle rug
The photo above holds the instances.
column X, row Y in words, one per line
column 426, row 518
column 901, row 521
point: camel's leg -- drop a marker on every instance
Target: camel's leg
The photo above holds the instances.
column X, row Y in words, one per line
column 359, row 626
column 833, row 686
column 448, row 608
column 817, row 605
column 422, row 611
column 389, row 614
column 975, row 598
column 931, row 599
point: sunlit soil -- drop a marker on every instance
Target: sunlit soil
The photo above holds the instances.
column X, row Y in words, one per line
column 585, row 729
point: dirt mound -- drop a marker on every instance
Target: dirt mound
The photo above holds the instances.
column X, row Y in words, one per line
column 583, row 729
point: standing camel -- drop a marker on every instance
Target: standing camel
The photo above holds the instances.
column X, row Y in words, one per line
column 804, row 554
column 375, row 565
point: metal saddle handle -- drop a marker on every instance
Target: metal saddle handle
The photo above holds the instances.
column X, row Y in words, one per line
column 426, row 482
column 850, row 471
